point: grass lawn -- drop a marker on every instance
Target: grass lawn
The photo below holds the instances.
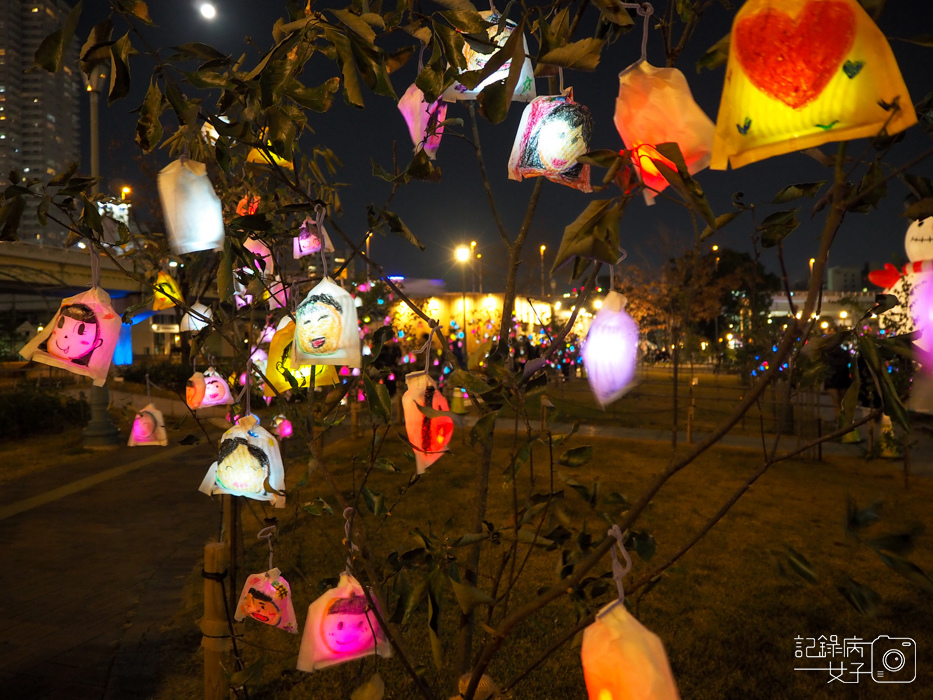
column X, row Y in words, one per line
column 727, row 615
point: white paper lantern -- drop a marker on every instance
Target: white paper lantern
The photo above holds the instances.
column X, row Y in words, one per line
column 192, row 210
column 311, row 239
column 148, row 428
column 326, row 331
column 267, row 598
column 192, row 323
column 248, row 464
column 610, row 350
column 419, row 115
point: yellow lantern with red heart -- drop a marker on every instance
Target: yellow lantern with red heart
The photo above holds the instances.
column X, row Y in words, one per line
column 802, row 73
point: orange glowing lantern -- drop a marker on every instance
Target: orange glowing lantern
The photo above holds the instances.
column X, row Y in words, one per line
column 655, row 106
column 166, row 291
column 248, row 464
column 247, row 206
column 802, row 73
column 429, row 436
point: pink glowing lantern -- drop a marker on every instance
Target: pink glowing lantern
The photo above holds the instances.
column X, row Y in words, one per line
column 148, row 428
column 655, row 106
column 193, row 214
column 248, row 464
column 80, row 338
column 611, row 350
column 341, row 627
column 277, row 295
column 553, row 133
column 311, row 239
column 429, row 436
column 422, row 120
column 326, row 330
column 282, row 427
column 207, row 389
column 262, row 257
column 267, row 598
column 622, row 660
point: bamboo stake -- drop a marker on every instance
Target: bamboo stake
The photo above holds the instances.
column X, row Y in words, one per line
column 216, row 641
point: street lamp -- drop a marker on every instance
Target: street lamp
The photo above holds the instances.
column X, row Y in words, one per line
column 463, row 255
column 124, row 193
column 543, row 248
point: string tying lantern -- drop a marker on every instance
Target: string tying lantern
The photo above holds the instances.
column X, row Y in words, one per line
column 553, row 133
column 192, row 211
column 429, row 436
column 422, row 120
column 802, row 73
column 610, row 350
column 326, row 330
column 248, row 464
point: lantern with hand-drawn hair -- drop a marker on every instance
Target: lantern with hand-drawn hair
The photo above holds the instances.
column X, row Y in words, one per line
column 267, row 598
column 248, row 464
column 341, row 626
column 326, row 331
column 311, row 239
column 553, row 133
column 655, row 106
column 802, row 73
column 148, row 428
column 279, row 373
column 422, row 120
column 611, row 350
column 192, row 211
column 429, row 436
column 80, row 338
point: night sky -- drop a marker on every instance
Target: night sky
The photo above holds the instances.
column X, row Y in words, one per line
column 454, row 211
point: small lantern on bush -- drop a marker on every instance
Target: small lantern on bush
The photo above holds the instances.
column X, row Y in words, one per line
column 802, row 73
column 207, row 389
column 279, row 372
column 197, row 319
column 148, row 428
column 263, row 261
column 341, row 626
column 326, row 331
column 429, row 436
column 655, row 106
column 267, row 598
column 281, row 427
column 277, row 294
column 610, row 350
column 248, row 464
column 80, row 338
column 553, row 133
column 166, row 292
column 311, row 239
column 193, row 214
column 422, row 120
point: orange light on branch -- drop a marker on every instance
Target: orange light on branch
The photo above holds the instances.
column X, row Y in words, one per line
column 655, row 106
column 428, row 435
column 802, row 73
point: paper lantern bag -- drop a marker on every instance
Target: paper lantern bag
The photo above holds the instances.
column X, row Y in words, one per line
column 802, row 73
column 311, row 239
column 624, row 661
column 267, row 598
column 193, row 214
column 248, row 464
column 80, row 338
column 428, row 436
column 326, row 330
column 278, row 370
column 148, row 428
column 611, row 350
column 207, row 389
column 341, row 627
column 418, row 116
column 165, row 286
column 655, row 106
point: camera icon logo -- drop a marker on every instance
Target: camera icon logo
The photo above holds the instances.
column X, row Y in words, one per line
column 893, row 659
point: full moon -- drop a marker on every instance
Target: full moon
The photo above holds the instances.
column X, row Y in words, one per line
column 208, row 11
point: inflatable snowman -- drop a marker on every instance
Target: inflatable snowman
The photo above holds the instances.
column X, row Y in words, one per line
column 913, row 286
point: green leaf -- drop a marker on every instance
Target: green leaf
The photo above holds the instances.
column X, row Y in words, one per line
column 96, row 49
column 614, row 12
column 891, row 401
column 683, row 182
column 721, row 221
column 355, row 23
column 522, row 455
column 590, row 496
column 902, row 543
column 578, row 55
column 577, row 457
column 377, row 397
column 318, row 99
column 252, row 674
column 149, row 127
column 352, row 90
column 874, row 181
column 317, row 507
column 10, row 214
column 792, row 192
column 137, row 8
column 593, row 235
column 386, row 465
column 374, row 500
column 921, row 209
column 715, row 56
column 799, row 564
column 434, row 618
column 468, row 381
column 431, row 80
column 777, row 226
column 884, row 303
column 380, row 217
column 119, row 69
column 466, row 20
column 469, row 538
column 91, row 215
column 860, row 518
column 196, row 49
column 860, row 597
column 51, row 52
column 494, row 99
column 469, row 597
column 907, row 569
column 373, row 689
column 850, row 400
column 644, row 544
column 482, row 430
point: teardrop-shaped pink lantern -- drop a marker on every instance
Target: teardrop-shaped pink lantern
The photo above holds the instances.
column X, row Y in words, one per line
column 422, row 119
column 610, row 350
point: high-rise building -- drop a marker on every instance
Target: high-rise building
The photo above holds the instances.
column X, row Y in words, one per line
column 39, row 124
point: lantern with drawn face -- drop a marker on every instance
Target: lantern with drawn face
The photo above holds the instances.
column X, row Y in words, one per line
column 192, row 211
column 553, row 133
column 248, row 464
column 341, row 626
column 325, row 328
column 311, row 239
column 216, row 390
column 80, row 338
column 611, row 350
column 428, row 436
column 194, row 390
column 279, row 373
column 267, row 598
column 148, row 428
column 166, row 292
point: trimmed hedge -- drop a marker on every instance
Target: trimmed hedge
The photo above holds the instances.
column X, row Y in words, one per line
column 28, row 411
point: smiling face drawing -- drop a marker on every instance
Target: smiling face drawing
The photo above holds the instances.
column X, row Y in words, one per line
column 320, row 325
column 259, row 606
column 215, row 391
column 308, row 239
column 241, row 467
column 75, row 334
column 347, row 627
column 919, row 240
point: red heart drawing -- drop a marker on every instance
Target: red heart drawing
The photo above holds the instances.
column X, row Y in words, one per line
column 792, row 60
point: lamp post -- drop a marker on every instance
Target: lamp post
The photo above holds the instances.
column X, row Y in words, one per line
column 479, row 265
column 543, row 248
column 472, row 266
column 100, row 432
column 463, row 255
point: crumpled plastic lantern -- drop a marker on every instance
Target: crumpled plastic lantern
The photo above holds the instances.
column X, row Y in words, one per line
column 80, row 338
column 267, row 598
column 419, row 116
column 193, row 214
column 277, row 294
column 207, row 389
column 326, row 330
column 148, row 428
column 311, row 239
column 429, row 436
column 341, row 627
column 624, row 661
column 553, row 133
column 264, row 263
column 278, row 369
column 802, row 73
column 475, row 60
column 165, row 286
column 610, row 350
column 248, row 464
column 194, row 323
column 655, row 106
